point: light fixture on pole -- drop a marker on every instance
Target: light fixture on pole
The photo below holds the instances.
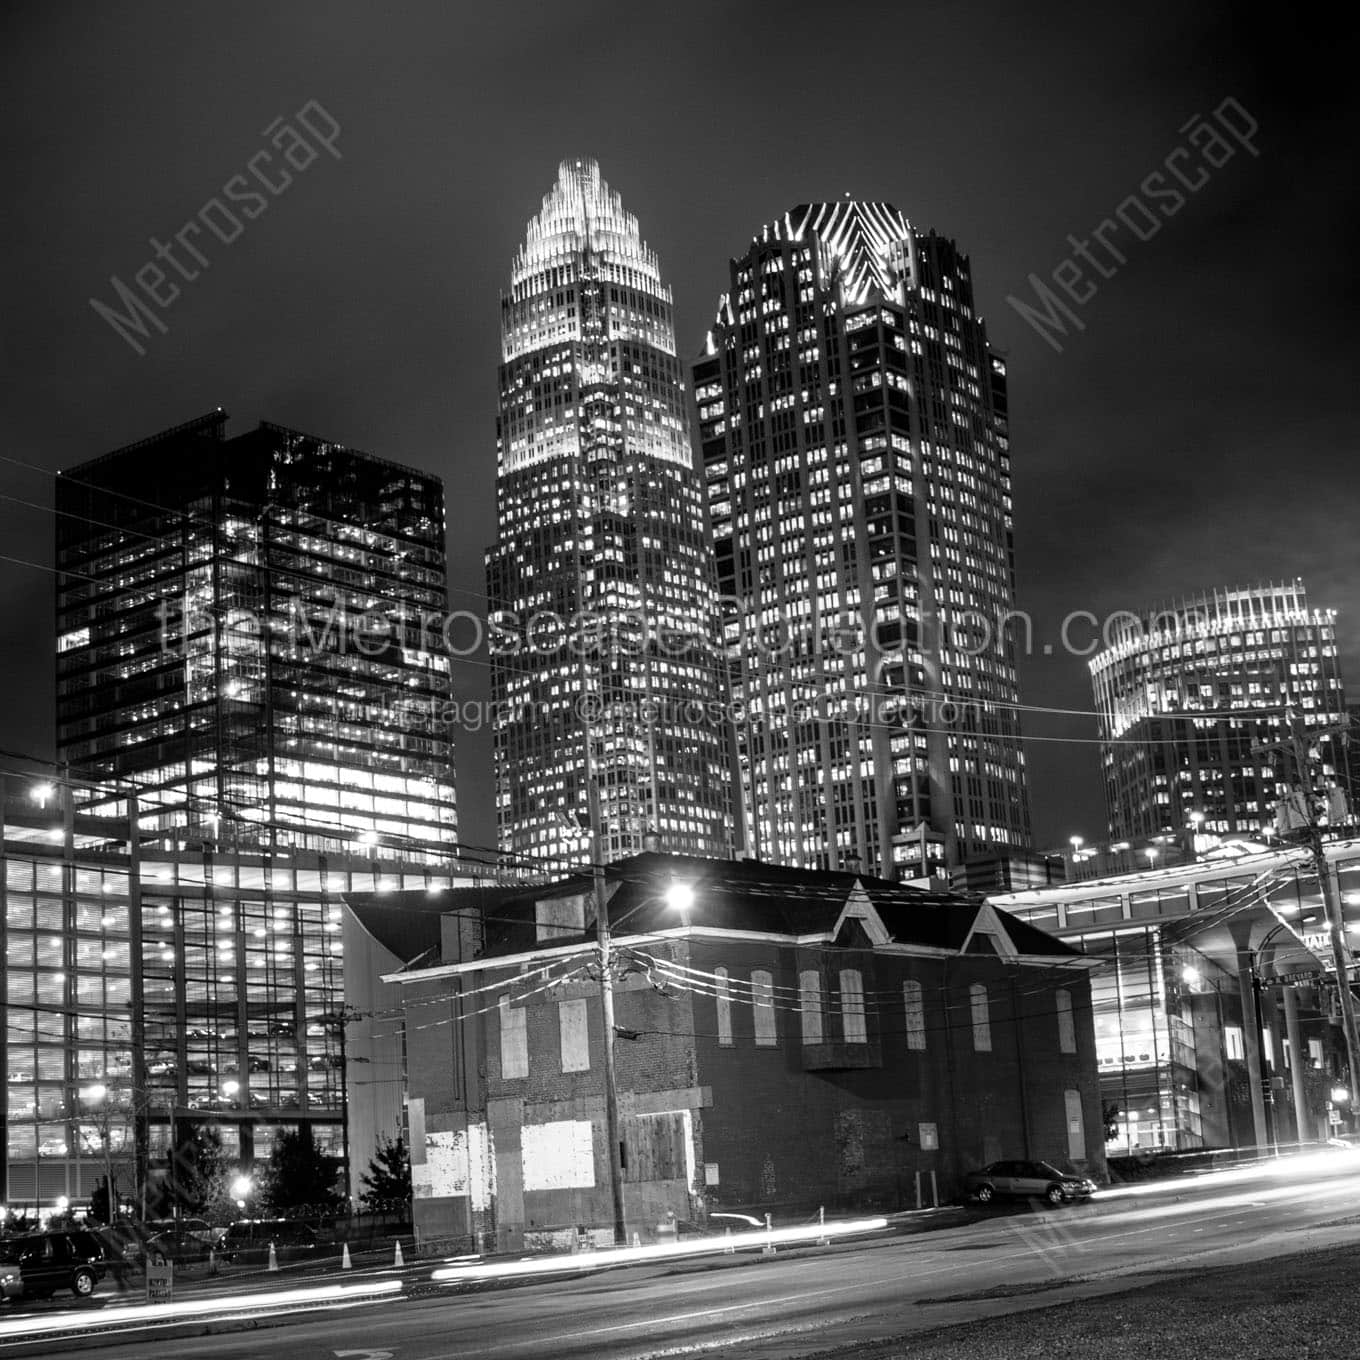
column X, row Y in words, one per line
column 98, row 1095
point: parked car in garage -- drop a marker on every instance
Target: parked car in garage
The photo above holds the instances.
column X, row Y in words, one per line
column 1027, row 1180
column 37, row 1265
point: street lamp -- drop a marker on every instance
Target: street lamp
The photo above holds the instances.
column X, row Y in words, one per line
column 240, row 1190
column 98, row 1095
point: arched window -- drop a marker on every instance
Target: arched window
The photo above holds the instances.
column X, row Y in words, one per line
column 810, row 1005
column 852, row 1007
column 915, row 1006
column 762, row 1004
column 1067, row 1029
column 982, row 1018
column 724, row 1004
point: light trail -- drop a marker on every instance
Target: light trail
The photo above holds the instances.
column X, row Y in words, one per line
column 149, row 1314
column 663, row 1251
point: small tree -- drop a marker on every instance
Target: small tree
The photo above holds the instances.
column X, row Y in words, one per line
column 388, row 1177
column 199, row 1169
column 99, row 1202
column 299, row 1173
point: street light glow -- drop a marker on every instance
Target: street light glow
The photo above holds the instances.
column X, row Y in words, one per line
column 680, row 896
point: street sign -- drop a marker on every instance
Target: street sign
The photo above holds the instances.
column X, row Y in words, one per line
column 160, row 1283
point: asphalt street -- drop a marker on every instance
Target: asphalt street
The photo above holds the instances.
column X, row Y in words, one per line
column 805, row 1301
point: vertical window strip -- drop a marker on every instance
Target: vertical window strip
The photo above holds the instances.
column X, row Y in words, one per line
column 914, row 1003
column 982, row 1019
column 810, row 1005
column 724, row 1007
column 852, row 1007
column 1067, row 1029
column 762, row 1006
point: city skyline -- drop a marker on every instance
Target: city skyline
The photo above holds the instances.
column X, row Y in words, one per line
column 1118, row 432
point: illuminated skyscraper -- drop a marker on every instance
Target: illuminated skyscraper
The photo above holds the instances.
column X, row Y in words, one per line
column 1186, row 692
column 249, row 630
column 600, row 517
column 853, row 424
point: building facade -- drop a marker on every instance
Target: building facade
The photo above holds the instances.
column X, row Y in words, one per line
column 792, row 1039
column 146, row 991
column 1217, row 1019
column 250, row 634
column 600, row 581
column 1185, row 693
column 853, row 420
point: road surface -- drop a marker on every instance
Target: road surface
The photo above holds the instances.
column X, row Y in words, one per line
column 799, row 1303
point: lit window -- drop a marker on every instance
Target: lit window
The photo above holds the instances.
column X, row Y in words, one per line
column 810, row 1005
column 762, row 1006
column 982, row 1020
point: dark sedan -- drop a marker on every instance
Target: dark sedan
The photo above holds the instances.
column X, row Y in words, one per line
column 1027, row 1180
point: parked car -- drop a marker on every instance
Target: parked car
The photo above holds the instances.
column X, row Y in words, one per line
column 246, row 1242
column 179, row 1246
column 198, row 1227
column 39, row 1264
column 1026, row 1180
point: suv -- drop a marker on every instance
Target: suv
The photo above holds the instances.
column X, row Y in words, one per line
column 38, row 1264
column 247, row 1241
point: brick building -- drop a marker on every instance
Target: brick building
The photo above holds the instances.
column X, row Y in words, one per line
column 792, row 1039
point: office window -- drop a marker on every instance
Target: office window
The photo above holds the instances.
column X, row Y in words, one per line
column 762, row 1006
column 914, row 1004
column 723, row 1001
column 852, row 1007
column 1232, row 1042
column 1315, row 1054
column 810, row 1005
column 1067, row 1029
column 514, row 1040
column 982, row 1019
column 573, row 1035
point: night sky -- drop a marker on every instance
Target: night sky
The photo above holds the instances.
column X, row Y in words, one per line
column 1198, row 432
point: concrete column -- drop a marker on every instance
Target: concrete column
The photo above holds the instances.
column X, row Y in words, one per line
column 1297, row 1059
column 1252, row 1043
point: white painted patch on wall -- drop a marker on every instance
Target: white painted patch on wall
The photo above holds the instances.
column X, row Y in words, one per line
column 457, row 1164
column 559, row 1155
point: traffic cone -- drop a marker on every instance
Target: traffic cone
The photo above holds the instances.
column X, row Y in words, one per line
column 345, row 1262
column 273, row 1258
column 397, row 1259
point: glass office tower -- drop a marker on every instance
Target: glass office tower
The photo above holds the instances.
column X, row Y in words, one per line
column 600, row 581
column 249, row 633
column 148, row 990
column 1185, row 693
column 853, row 422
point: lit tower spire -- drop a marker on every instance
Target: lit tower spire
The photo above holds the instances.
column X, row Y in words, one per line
column 601, row 579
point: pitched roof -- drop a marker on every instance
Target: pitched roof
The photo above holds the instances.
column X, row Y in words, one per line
column 766, row 899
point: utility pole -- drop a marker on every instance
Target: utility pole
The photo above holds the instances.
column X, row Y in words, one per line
column 611, row 1090
column 1312, row 831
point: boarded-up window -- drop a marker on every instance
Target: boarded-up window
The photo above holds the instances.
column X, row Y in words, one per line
column 723, row 1000
column 914, row 1004
column 1067, row 1029
column 514, row 1040
column 852, row 1007
column 560, row 917
column 574, row 1035
column 810, row 1005
column 762, row 1007
column 558, row 1156
column 982, row 1018
column 658, row 1147
column 1076, row 1127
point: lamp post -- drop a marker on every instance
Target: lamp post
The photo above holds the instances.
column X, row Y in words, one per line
column 98, row 1094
